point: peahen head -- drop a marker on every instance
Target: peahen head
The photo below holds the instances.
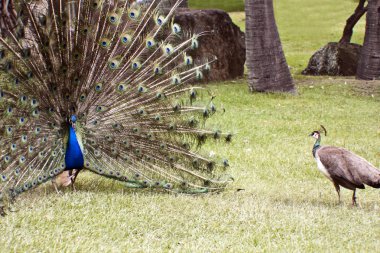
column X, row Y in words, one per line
column 315, row 134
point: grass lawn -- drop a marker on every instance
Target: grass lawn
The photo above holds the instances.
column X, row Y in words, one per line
column 227, row 5
column 286, row 204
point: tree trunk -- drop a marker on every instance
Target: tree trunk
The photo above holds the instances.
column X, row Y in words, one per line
column 369, row 62
column 268, row 70
column 351, row 22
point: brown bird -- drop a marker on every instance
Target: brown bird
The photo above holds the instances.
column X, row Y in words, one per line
column 343, row 167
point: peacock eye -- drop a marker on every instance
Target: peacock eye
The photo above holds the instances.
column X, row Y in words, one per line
column 121, row 87
column 140, row 89
column 135, row 65
column 98, row 87
column 176, row 28
column 176, row 80
column 105, row 43
column 36, row 112
column 7, row 158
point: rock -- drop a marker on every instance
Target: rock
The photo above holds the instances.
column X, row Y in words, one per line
column 224, row 40
column 334, row 59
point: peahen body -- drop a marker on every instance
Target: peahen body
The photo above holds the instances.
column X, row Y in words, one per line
column 344, row 168
column 104, row 86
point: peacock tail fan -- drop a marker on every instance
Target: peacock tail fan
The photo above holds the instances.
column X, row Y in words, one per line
column 124, row 70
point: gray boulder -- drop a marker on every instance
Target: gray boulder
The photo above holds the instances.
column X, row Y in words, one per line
column 334, row 59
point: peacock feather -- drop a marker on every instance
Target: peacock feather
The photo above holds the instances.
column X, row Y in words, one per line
column 105, row 86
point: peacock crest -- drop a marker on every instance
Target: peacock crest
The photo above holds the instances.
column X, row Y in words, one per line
column 111, row 81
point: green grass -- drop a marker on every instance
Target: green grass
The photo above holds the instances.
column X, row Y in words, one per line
column 227, row 5
column 287, row 205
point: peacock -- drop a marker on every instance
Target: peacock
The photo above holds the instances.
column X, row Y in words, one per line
column 105, row 86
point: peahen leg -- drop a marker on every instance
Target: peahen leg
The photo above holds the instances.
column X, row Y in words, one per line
column 337, row 188
column 354, row 198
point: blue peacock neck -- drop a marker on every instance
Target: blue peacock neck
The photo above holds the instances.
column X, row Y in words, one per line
column 317, row 145
column 73, row 156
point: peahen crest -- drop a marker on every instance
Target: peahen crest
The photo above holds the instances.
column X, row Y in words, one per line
column 104, row 86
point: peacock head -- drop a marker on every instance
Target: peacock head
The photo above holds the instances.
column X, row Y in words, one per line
column 72, row 120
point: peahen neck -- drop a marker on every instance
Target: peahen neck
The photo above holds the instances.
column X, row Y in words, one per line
column 74, row 156
column 317, row 145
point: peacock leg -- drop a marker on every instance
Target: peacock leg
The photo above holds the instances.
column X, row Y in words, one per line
column 337, row 188
column 55, row 186
column 73, row 176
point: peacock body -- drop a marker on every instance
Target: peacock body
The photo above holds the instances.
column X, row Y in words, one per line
column 104, row 86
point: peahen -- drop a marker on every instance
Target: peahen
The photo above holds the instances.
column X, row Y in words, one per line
column 344, row 168
column 105, row 86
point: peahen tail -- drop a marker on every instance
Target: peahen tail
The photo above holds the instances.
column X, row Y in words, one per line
column 109, row 81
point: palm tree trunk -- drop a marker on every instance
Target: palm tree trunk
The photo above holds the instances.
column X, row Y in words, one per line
column 351, row 22
column 369, row 62
column 268, row 70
